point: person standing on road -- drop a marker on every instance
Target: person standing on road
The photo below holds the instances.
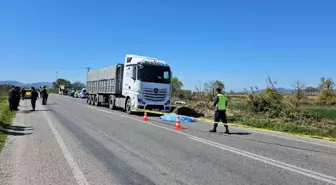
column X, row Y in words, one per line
column 40, row 91
column 11, row 98
column 17, row 98
column 23, row 93
column 34, row 96
column 44, row 95
column 220, row 114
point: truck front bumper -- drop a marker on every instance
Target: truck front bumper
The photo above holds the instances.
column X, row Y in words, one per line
column 161, row 108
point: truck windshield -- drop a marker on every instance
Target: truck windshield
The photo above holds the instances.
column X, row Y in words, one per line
column 153, row 73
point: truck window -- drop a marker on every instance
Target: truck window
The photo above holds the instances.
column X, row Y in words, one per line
column 166, row 75
column 133, row 72
column 154, row 73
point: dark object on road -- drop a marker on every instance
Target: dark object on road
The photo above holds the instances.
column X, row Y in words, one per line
column 11, row 98
column 16, row 98
column 34, row 96
column 23, row 93
column 45, row 95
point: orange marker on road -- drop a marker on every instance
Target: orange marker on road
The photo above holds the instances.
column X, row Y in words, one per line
column 178, row 123
column 145, row 118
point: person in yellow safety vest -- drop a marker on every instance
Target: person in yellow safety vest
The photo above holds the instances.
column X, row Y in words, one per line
column 220, row 114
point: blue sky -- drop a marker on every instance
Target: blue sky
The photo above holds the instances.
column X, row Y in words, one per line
column 240, row 42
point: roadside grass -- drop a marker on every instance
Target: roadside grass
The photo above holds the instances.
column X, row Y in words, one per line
column 240, row 107
column 323, row 130
column 6, row 117
column 327, row 113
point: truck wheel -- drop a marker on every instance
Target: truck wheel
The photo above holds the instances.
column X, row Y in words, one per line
column 97, row 103
column 112, row 102
column 128, row 106
column 90, row 100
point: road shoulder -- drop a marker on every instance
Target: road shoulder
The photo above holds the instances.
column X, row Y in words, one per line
column 33, row 156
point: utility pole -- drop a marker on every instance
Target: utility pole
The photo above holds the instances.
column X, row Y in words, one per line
column 88, row 69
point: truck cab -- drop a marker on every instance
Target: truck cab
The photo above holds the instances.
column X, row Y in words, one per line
column 146, row 83
column 138, row 83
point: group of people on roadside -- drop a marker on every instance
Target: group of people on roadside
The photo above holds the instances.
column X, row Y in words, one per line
column 15, row 95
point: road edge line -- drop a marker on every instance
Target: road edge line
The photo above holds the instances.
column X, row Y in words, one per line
column 77, row 173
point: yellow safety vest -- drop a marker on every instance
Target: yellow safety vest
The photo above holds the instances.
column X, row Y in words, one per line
column 221, row 104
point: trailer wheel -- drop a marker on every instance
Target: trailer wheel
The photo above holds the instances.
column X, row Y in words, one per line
column 128, row 106
column 97, row 103
column 112, row 102
column 90, row 100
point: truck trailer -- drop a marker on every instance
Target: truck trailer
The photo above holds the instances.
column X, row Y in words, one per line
column 138, row 83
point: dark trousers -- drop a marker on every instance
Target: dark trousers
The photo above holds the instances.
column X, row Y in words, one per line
column 220, row 115
column 33, row 103
column 10, row 102
column 15, row 103
column 44, row 100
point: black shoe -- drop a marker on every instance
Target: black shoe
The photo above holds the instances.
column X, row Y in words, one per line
column 214, row 129
column 227, row 130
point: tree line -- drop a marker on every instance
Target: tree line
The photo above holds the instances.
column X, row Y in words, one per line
column 64, row 82
column 203, row 90
column 324, row 91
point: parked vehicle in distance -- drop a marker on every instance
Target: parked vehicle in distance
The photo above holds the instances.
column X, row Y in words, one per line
column 76, row 95
column 139, row 83
column 27, row 94
column 71, row 93
column 83, row 94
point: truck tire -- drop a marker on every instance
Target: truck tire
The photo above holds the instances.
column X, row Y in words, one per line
column 112, row 102
column 97, row 103
column 128, row 106
column 90, row 100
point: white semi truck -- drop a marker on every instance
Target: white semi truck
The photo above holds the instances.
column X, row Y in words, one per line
column 139, row 83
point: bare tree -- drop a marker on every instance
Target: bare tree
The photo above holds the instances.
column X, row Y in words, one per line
column 299, row 89
column 271, row 83
column 78, row 85
column 326, row 84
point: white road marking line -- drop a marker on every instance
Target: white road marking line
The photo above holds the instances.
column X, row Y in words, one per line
column 77, row 173
column 302, row 171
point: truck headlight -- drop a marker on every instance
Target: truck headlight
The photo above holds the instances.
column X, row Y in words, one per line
column 140, row 100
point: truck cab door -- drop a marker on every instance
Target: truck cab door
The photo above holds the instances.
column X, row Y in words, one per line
column 130, row 78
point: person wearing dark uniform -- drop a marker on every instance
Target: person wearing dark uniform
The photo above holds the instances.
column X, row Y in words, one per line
column 16, row 96
column 220, row 114
column 44, row 94
column 34, row 96
column 23, row 93
column 11, row 98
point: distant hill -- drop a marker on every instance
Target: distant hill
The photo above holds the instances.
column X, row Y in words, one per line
column 285, row 91
column 11, row 82
column 282, row 90
column 36, row 84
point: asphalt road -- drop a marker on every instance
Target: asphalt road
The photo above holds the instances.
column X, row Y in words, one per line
column 70, row 142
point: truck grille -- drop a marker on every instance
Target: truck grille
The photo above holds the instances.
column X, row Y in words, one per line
column 155, row 94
